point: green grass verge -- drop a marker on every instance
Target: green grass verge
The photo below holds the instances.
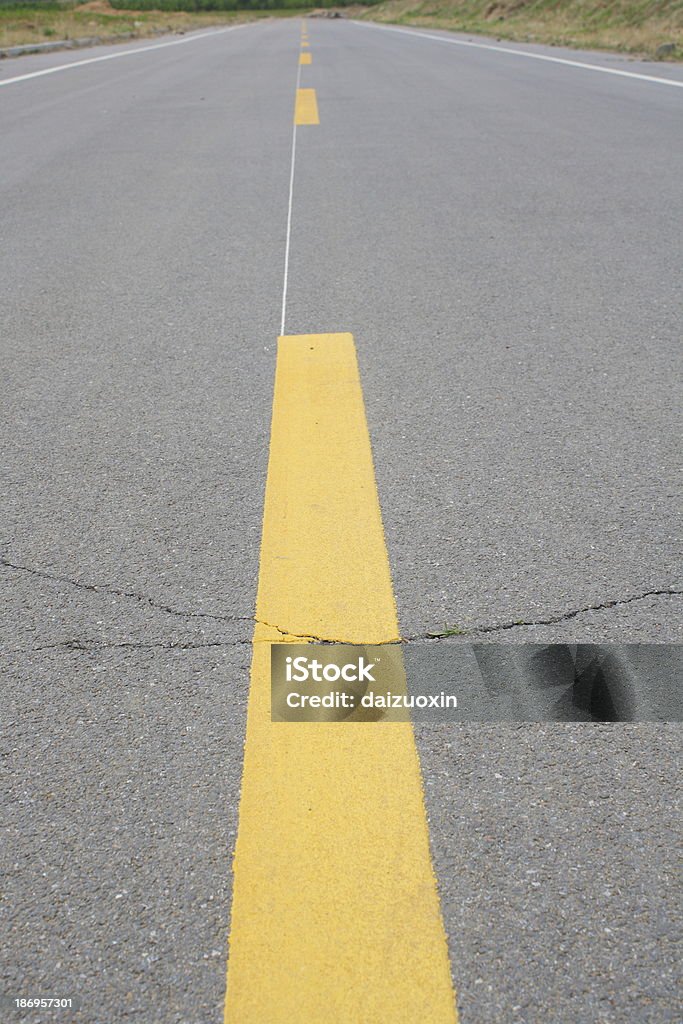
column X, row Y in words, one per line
column 34, row 23
column 638, row 27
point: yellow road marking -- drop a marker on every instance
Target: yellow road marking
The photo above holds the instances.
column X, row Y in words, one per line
column 304, row 43
column 306, row 109
column 335, row 915
column 305, row 58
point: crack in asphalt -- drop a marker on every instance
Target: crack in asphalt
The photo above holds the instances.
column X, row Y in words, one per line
column 91, row 646
column 296, row 636
column 554, row 619
column 327, row 639
column 106, row 588
column 75, row 644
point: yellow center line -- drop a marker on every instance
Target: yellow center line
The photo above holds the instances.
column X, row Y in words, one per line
column 306, row 107
column 305, row 58
column 336, row 916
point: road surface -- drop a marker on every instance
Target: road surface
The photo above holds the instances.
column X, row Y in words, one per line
column 500, row 236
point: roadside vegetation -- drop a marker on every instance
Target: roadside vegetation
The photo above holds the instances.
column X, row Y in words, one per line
column 647, row 28
column 49, row 22
column 650, row 28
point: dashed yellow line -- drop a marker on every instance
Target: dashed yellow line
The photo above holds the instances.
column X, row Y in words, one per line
column 305, row 58
column 306, row 107
column 336, row 917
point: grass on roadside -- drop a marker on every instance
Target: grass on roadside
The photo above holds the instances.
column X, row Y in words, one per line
column 441, row 634
column 47, row 23
column 636, row 27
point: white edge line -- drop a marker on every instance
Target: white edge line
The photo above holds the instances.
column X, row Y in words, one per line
column 523, row 53
column 289, row 209
column 123, row 53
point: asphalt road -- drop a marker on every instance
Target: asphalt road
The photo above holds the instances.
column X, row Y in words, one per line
column 500, row 234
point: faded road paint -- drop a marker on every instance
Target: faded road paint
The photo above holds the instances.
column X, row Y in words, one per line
column 306, row 109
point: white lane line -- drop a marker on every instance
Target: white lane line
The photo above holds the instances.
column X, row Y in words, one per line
column 122, row 53
column 289, row 213
column 524, row 53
